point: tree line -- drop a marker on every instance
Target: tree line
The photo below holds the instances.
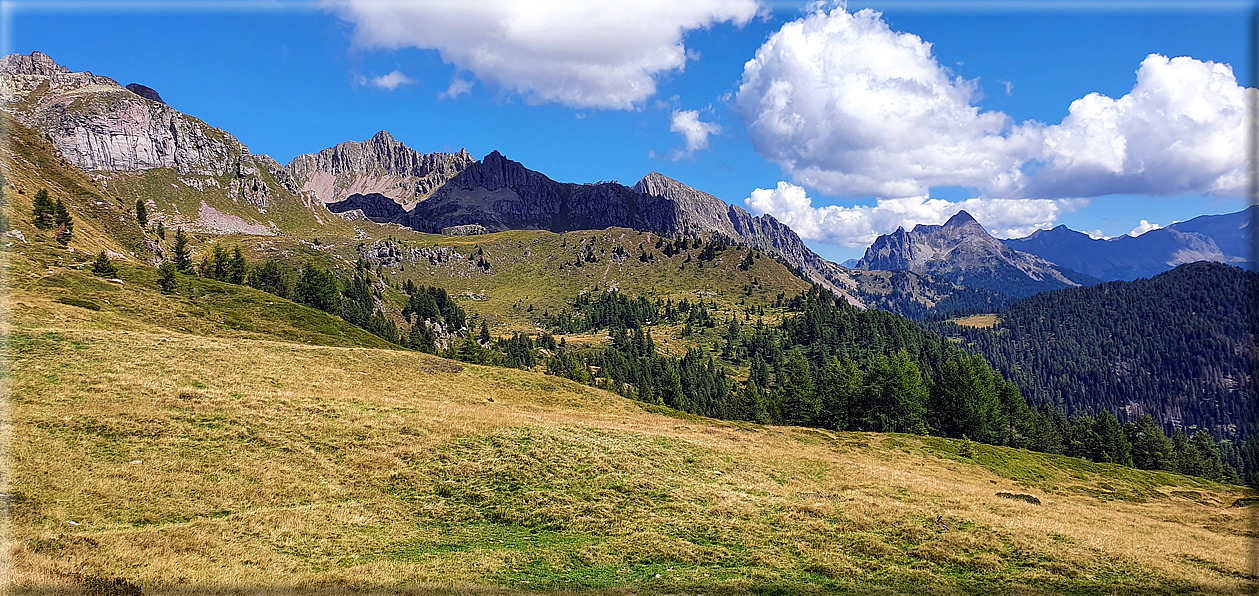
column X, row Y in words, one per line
column 830, row 365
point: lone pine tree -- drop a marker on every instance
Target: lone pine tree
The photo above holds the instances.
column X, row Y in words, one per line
column 62, row 221
column 103, row 267
column 183, row 255
column 42, row 210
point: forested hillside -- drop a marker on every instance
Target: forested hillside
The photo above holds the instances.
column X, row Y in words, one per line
column 1174, row 346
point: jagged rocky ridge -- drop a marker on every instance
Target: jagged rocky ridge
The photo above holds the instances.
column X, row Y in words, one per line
column 103, row 128
column 498, row 194
column 963, row 252
column 380, row 165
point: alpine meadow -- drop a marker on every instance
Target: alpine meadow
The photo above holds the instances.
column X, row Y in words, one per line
column 368, row 368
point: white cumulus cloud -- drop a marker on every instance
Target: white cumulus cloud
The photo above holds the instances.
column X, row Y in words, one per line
column 1144, row 227
column 1180, row 130
column 392, row 80
column 694, row 132
column 458, row 86
column 848, row 106
column 581, row 53
column 859, row 225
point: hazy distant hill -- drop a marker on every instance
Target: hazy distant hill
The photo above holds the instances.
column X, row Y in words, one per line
column 1222, row 238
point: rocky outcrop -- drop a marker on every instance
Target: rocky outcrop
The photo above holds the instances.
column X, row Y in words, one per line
column 36, row 63
column 102, row 127
column 145, row 92
column 961, row 251
column 98, row 125
column 468, row 230
column 374, row 206
column 379, row 165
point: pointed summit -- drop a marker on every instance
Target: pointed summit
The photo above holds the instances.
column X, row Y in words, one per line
column 659, row 185
column 960, row 218
column 383, row 137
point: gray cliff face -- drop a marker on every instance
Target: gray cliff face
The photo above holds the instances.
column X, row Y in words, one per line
column 963, row 252
column 98, row 125
column 379, row 165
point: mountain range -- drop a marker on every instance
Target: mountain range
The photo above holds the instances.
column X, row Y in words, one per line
column 1221, row 238
column 128, row 138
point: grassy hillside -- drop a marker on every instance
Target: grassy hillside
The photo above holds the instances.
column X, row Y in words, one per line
column 101, row 221
column 52, row 287
column 527, row 274
column 225, row 462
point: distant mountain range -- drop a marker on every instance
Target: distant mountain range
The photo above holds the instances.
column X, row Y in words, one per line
column 1221, row 238
column 961, row 251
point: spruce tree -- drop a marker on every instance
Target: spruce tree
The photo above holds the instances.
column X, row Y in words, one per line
column 166, row 277
column 1112, row 443
column 62, row 221
column 142, row 213
column 840, row 389
column 800, row 398
column 673, row 395
column 183, row 254
column 317, row 287
column 272, row 276
column 103, row 267
column 43, row 210
column 214, row 266
column 1151, row 449
column 237, row 268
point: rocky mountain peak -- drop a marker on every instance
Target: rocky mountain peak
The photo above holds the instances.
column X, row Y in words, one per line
column 656, row 184
column 381, row 165
column 145, row 92
column 35, row 63
column 959, row 219
column 963, row 252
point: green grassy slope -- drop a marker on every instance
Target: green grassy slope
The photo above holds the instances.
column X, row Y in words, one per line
column 53, row 287
column 228, row 465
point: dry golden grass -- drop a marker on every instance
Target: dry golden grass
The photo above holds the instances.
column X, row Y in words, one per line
column 197, row 464
column 978, row 321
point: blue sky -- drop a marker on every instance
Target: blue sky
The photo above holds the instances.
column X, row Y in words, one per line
column 294, row 77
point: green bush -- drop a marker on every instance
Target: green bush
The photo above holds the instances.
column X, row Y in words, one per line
column 103, row 267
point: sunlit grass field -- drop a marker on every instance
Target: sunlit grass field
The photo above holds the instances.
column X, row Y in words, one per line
column 154, row 442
